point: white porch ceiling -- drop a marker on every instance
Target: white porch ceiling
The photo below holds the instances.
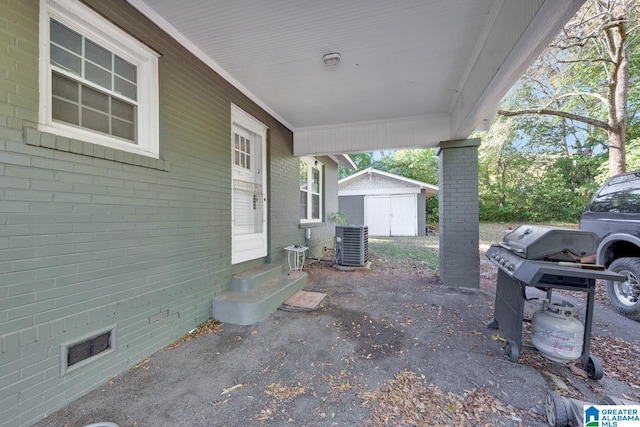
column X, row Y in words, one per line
column 412, row 72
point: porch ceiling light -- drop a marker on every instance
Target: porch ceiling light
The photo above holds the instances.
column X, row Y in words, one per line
column 331, row 59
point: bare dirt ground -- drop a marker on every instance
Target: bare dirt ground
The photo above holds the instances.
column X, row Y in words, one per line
column 391, row 347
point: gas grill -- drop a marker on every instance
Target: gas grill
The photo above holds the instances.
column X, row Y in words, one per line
column 546, row 258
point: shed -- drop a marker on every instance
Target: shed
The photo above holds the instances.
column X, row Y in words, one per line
column 388, row 204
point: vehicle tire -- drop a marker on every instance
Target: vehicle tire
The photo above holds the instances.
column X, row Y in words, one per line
column 625, row 296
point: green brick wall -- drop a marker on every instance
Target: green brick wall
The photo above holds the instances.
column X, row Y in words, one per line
column 92, row 238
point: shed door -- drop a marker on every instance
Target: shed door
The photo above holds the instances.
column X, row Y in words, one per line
column 404, row 215
column 378, row 215
column 391, row 215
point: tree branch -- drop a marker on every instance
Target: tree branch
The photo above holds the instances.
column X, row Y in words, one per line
column 542, row 111
column 601, row 98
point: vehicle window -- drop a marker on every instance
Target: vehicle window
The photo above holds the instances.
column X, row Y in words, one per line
column 619, row 195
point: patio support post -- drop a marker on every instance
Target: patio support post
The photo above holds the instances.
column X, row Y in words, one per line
column 459, row 213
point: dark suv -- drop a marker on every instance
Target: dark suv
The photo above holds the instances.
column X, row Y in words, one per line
column 614, row 214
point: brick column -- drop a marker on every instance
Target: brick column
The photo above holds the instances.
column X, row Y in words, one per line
column 458, row 202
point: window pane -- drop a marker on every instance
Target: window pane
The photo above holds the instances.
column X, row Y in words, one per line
column 65, row 111
column 94, row 99
column 123, row 110
column 236, row 158
column 303, row 205
column 123, row 129
column 248, row 161
column 66, row 60
column 125, row 88
column 125, row 69
column 237, row 141
column 316, row 180
column 95, row 120
column 315, row 199
column 63, row 87
column 97, row 54
column 65, row 37
column 303, row 175
column 97, row 75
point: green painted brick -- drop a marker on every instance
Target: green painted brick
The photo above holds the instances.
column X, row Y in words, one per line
column 29, row 172
column 50, row 228
column 51, row 208
column 62, row 144
column 14, row 159
column 33, row 196
column 50, row 273
column 53, row 164
column 10, row 342
column 35, row 263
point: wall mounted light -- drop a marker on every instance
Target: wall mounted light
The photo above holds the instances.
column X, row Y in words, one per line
column 331, row 59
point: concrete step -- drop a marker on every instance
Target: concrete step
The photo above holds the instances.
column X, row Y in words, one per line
column 248, row 280
column 255, row 305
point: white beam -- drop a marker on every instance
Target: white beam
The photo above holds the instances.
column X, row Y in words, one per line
column 403, row 133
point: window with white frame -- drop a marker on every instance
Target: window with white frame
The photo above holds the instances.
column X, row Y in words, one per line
column 311, row 185
column 98, row 84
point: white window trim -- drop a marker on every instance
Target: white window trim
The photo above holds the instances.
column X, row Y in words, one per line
column 312, row 163
column 90, row 24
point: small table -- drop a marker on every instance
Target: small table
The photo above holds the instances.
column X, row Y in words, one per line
column 296, row 256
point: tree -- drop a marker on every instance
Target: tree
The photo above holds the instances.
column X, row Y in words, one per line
column 362, row 161
column 602, row 33
column 520, row 182
column 418, row 164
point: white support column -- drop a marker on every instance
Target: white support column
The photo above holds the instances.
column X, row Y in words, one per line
column 459, row 213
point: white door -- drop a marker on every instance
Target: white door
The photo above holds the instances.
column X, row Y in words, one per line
column 378, row 215
column 391, row 215
column 248, row 192
column 404, row 215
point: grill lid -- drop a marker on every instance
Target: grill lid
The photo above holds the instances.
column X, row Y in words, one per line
column 537, row 242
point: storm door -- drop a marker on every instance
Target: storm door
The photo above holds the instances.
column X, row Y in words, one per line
column 248, row 188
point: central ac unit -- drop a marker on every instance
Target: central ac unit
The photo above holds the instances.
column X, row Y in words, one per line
column 352, row 245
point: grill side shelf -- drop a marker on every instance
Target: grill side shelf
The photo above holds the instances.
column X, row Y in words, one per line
column 532, row 272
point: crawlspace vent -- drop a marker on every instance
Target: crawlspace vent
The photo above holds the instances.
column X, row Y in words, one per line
column 88, row 348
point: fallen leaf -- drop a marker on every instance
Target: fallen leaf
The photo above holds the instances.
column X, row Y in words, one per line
column 578, row 371
column 230, row 389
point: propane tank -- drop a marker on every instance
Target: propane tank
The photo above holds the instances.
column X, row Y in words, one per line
column 556, row 333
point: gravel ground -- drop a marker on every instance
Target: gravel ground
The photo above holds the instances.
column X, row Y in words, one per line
column 390, row 347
